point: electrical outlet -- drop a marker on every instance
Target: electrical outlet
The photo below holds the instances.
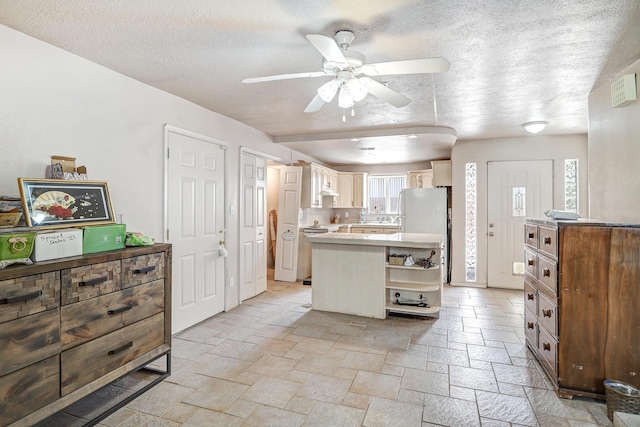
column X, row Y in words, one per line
column 231, row 284
column 346, row 214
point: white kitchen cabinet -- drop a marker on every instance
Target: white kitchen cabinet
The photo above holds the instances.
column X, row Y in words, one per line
column 359, row 190
column 420, row 179
column 345, row 190
column 406, row 285
column 311, row 185
column 441, row 173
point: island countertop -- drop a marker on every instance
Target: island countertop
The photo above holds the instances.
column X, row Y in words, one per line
column 412, row 240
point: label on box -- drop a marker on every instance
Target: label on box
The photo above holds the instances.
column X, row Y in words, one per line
column 57, row 244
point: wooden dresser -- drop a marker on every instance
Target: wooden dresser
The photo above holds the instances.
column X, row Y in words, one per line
column 582, row 300
column 71, row 326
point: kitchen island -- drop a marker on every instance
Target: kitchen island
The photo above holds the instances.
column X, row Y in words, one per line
column 367, row 274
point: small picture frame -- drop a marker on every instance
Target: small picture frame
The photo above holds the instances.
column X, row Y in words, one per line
column 53, row 203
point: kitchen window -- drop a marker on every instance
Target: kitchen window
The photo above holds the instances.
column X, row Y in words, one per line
column 384, row 193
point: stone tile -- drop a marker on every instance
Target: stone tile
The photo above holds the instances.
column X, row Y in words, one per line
column 394, row 340
column 465, row 337
column 373, row 384
column 140, row 419
column 330, row 414
column 462, row 393
column 430, row 339
column 546, row 402
column 398, row 371
column 158, row 399
column 477, row 379
column 321, row 363
column 362, row 344
column 313, row 345
column 273, row 366
column 189, row 350
column 410, row 396
column 206, row 417
column 180, row 412
column 346, row 373
column 518, row 375
column 356, row 400
column 425, row 381
column 363, row 361
column 272, row 391
column 324, row 388
column 268, row 416
column 501, row 336
column 389, row 413
column 242, row 408
column 448, row 356
column 313, row 331
column 301, row 405
column 449, row 411
column 516, row 410
column 213, row 365
column 230, row 348
column 415, row 356
column 216, row 394
column 488, row 354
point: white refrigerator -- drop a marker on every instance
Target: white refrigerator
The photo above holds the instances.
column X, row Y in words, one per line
column 425, row 210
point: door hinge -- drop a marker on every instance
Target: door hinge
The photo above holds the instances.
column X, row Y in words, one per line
column 167, row 234
column 167, row 152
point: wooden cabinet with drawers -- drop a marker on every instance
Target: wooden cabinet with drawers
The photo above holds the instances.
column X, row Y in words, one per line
column 72, row 326
column 582, row 290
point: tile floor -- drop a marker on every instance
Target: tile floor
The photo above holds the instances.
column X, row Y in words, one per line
column 275, row 362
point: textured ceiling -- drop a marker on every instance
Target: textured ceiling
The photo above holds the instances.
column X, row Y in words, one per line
column 511, row 62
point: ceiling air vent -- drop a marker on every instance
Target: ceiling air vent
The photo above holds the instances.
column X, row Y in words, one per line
column 623, row 91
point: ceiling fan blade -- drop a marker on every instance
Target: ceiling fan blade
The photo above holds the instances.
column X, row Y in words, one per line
column 328, row 48
column 411, row 66
column 384, row 93
column 284, row 77
column 315, row 105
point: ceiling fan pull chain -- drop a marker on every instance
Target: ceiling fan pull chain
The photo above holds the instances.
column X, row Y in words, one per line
column 344, row 117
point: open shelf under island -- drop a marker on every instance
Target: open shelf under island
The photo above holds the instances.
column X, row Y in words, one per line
column 352, row 274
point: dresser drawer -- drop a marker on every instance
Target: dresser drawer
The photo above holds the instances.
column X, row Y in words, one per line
column 548, row 315
column 90, row 281
column 142, row 269
column 548, row 240
column 530, row 262
column 548, row 274
column 548, row 348
column 28, row 340
column 531, row 235
column 91, row 360
column 531, row 328
column 89, row 319
column 28, row 295
column 530, row 296
column 29, row 389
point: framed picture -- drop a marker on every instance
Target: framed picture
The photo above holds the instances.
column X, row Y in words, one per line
column 50, row 203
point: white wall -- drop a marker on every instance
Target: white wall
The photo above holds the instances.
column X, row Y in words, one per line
column 614, row 155
column 556, row 148
column 55, row 103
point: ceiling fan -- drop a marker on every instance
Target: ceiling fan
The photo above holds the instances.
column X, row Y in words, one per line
column 346, row 65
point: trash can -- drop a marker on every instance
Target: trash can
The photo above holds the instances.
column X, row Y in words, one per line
column 621, row 397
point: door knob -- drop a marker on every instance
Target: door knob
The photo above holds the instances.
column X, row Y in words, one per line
column 491, row 233
column 491, row 225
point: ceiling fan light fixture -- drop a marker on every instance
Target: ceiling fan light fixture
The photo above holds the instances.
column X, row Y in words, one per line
column 328, row 90
column 357, row 89
column 345, row 100
column 535, row 127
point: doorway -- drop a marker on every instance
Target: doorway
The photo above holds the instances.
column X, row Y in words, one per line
column 515, row 190
column 195, row 225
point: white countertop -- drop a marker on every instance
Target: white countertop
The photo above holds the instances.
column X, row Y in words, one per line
column 374, row 225
column 412, row 240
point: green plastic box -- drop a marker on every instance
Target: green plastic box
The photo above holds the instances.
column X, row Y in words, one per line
column 100, row 238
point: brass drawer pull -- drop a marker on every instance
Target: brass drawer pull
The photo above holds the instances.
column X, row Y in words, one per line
column 531, row 235
column 531, row 262
column 546, row 272
column 547, row 313
column 530, row 297
column 120, row 349
column 546, row 240
column 546, row 346
column 120, row 310
column 144, row 270
column 529, row 325
column 93, row 281
column 21, row 298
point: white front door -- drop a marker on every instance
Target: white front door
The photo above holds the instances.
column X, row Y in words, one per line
column 288, row 223
column 516, row 190
column 195, row 226
column 253, row 217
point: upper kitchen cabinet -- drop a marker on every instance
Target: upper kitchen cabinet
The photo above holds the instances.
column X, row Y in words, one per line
column 420, row 179
column 441, row 173
column 351, row 190
column 319, row 186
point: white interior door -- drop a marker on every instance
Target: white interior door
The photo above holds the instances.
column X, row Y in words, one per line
column 288, row 223
column 516, row 190
column 195, row 226
column 253, row 217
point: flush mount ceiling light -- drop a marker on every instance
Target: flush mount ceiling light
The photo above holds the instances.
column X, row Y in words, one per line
column 535, row 127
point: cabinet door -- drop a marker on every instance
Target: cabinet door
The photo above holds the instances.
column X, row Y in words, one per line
column 441, row 173
column 345, row 190
column 316, row 186
column 359, row 190
column 622, row 348
column 583, row 273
